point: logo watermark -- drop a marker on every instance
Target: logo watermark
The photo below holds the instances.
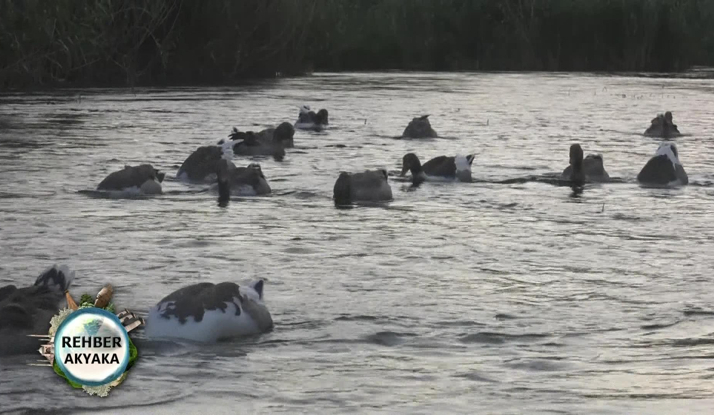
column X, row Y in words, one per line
column 92, row 347
column 89, row 346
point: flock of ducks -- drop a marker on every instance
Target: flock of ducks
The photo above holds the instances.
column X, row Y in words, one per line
column 213, row 164
column 662, row 170
column 210, row 312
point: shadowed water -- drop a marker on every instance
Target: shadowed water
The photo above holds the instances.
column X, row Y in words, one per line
column 485, row 297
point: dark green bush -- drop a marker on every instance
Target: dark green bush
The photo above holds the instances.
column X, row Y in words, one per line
column 129, row 42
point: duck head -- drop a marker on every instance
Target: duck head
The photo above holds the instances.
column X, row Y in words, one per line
column 257, row 179
column 256, row 167
column 668, row 117
column 284, row 134
column 321, row 117
column 577, row 176
column 576, row 155
column 410, row 162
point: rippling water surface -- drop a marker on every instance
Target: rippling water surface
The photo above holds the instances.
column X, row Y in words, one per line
column 453, row 298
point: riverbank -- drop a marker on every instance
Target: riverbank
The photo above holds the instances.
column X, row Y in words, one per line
column 180, row 42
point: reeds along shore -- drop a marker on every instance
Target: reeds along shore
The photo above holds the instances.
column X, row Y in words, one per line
column 135, row 42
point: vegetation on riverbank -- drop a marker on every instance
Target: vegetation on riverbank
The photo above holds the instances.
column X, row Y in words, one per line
column 130, row 42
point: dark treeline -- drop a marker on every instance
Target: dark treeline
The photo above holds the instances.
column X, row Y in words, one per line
column 139, row 42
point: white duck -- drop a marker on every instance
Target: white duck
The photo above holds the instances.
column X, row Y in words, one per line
column 207, row 312
column 664, row 169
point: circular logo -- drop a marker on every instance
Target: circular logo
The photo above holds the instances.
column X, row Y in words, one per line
column 92, row 347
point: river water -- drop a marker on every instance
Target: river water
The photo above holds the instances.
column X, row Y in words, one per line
column 453, row 298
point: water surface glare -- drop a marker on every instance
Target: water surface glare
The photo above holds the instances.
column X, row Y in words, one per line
column 453, row 298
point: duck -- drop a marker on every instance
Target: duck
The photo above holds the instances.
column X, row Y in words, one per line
column 269, row 142
column 28, row 310
column 664, row 169
column 284, row 134
column 441, row 167
column 207, row 312
column 577, row 175
column 368, row 186
column 419, row 127
column 311, row 120
column 240, row 181
column 201, row 166
column 591, row 167
column 144, row 179
column 662, row 126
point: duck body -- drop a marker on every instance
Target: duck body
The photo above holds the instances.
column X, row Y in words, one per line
column 368, row 186
column 143, row 179
column 439, row 168
column 207, row 312
column 268, row 142
column 419, row 127
column 662, row 126
column 664, row 169
column 252, row 144
column 240, row 181
column 592, row 168
column 202, row 165
column 28, row 310
column 311, row 120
